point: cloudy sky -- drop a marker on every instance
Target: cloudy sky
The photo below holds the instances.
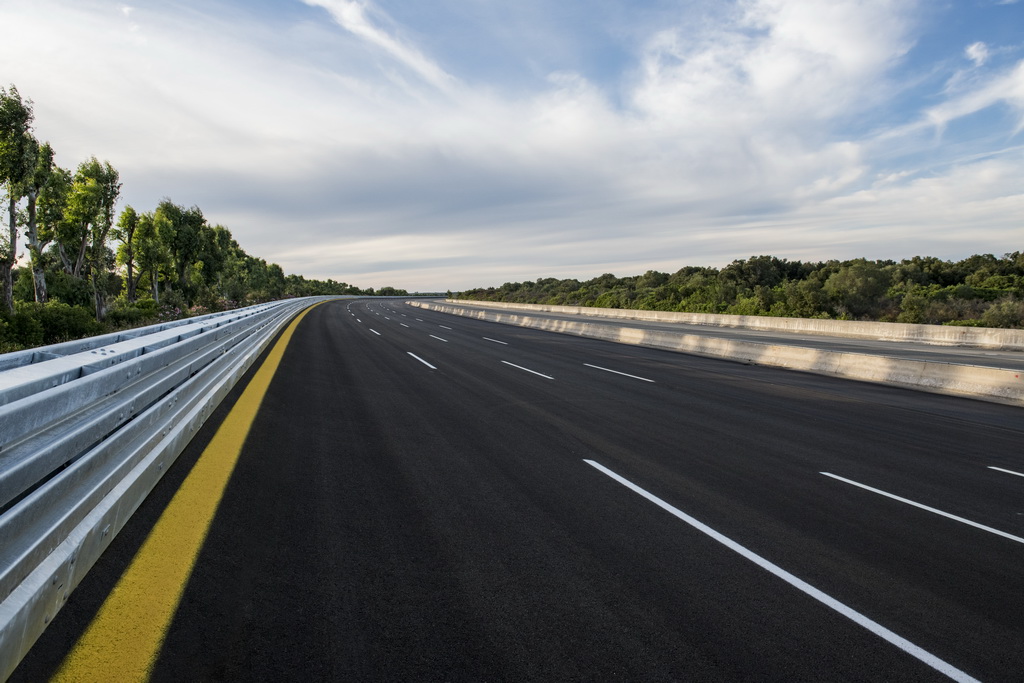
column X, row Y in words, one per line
column 436, row 144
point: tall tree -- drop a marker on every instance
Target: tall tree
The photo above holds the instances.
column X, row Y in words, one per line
column 110, row 190
column 181, row 231
column 17, row 161
column 127, row 227
column 37, row 239
column 51, row 214
column 150, row 249
column 89, row 217
column 80, row 212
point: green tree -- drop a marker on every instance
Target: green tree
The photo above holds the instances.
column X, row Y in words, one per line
column 17, row 162
column 150, row 251
column 180, row 229
column 38, row 236
column 88, row 219
column 857, row 287
column 215, row 246
column 127, row 227
column 51, row 210
column 1006, row 312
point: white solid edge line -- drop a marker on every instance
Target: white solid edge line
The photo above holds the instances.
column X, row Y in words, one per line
column 495, row 341
column 929, row 509
column 421, row 360
column 598, row 367
column 375, row 331
column 527, row 369
column 991, row 467
column 439, row 339
column 848, row 612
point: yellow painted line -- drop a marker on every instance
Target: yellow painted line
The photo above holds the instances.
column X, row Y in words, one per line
column 124, row 639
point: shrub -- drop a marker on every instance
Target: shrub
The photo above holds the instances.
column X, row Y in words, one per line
column 1008, row 312
column 74, row 291
column 22, row 328
column 62, row 322
column 124, row 314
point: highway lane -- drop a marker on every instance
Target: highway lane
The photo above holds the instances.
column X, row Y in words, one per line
column 915, row 350
column 416, row 501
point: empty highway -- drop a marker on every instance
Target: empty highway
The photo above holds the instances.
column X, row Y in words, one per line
column 426, row 497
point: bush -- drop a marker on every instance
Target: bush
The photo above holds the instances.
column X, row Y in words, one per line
column 1008, row 312
column 6, row 345
column 124, row 314
column 62, row 323
column 34, row 324
column 74, row 291
column 174, row 301
column 22, row 329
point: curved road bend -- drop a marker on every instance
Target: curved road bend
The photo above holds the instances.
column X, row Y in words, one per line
column 427, row 497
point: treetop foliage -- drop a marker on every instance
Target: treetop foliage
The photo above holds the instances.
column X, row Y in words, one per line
column 980, row 290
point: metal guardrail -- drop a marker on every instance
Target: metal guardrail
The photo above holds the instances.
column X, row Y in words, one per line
column 87, row 429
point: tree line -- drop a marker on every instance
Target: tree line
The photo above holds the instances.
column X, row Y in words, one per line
column 91, row 269
column 981, row 290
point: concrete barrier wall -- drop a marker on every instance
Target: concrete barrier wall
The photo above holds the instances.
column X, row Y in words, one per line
column 993, row 384
column 949, row 335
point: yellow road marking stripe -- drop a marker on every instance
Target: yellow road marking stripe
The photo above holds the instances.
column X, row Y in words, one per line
column 124, row 639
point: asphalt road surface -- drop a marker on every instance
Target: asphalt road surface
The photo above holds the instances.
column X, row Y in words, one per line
column 427, row 497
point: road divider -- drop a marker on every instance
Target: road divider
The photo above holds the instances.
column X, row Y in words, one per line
column 123, row 641
column 87, row 430
column 945, row 335
column 1000, row 385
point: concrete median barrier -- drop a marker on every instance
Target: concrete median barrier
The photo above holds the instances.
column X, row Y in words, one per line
column 946, row 335
column 987, row 383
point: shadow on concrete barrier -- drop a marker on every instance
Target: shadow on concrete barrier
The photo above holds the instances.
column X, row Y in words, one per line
column 987, row 383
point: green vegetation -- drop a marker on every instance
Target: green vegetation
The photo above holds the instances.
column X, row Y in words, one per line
column 981, row 290
column 91, row 270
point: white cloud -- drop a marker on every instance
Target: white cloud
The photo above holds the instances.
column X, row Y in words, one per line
column 353, row 15
column 1001, row 87
column 977, row 53
column 354, row 154
column 854, row 40
column 752, row 105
